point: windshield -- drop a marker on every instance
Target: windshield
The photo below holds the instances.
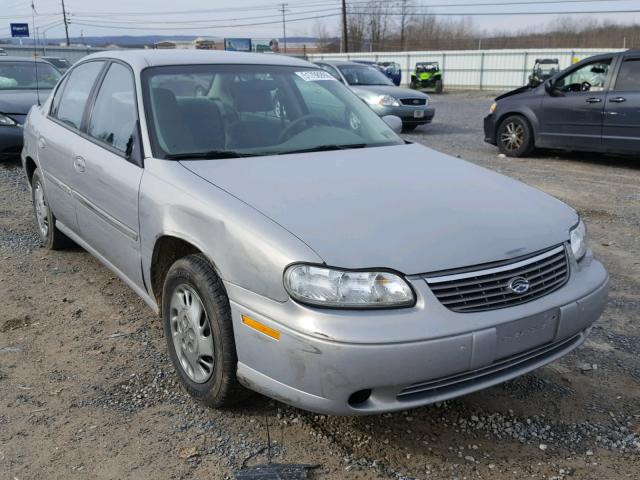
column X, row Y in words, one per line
column 363, row 75
column 427, row 67
column 250, row 110
column 22, row 75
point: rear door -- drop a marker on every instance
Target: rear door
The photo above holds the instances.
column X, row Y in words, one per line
column 572, row 118
column 108, row 173
column 621, row 128
column 58, row 136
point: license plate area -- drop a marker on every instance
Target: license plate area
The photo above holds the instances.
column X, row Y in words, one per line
column 526, row 333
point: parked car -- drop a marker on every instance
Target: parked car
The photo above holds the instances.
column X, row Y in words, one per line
column 391, row 69
column 381, row 94
column 593, row 105
column 18, row 92
column 314, row 257
column 60, row 63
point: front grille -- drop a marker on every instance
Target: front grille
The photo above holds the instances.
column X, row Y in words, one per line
column 488, row 289
column 413, row 101
column 509, row 367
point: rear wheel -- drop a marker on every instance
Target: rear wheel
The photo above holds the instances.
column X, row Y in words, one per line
column 515, row 137
column 197, row 324
column 50, row 237
column 438, row 86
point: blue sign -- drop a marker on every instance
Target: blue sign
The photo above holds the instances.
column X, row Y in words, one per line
column 237, row 44
column 19, row 30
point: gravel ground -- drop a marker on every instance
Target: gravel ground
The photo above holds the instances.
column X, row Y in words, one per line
column 87, row 391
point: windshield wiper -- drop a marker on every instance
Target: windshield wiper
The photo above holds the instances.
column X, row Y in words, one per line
column 210, row 155
column 325, row 148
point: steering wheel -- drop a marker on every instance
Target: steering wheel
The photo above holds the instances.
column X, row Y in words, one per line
column 289, row 129
column 585, row 86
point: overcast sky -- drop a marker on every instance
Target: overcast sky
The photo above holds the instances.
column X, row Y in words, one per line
column 224, row 18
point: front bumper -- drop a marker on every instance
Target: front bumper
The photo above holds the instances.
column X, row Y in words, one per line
column 490, row 128
column 408, row 113
column 11, row 139
column 407, row 357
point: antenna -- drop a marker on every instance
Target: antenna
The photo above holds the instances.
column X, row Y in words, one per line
column 35, row 51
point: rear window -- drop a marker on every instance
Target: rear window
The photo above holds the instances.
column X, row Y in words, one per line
column 629, row 76
column 26, row 75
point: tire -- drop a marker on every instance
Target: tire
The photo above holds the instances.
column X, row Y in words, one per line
column 438, row 86
column 50, row 237
column 206, row 341
column 409, row 127
column 414, row 84
column 515, row 136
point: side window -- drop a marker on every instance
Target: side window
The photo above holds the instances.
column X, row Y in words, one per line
column 629, row 76
column 76, row 92
column 591, row 77
column 113, row 119
column 55, row 103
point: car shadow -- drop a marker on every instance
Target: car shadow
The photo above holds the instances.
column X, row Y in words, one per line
column 609, row 160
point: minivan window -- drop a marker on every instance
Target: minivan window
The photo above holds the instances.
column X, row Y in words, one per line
column 629, row 76
column 591, row 77
column 76, row 92
column 113, row 118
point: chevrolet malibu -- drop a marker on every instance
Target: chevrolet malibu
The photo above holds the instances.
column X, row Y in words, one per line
column 309, row 254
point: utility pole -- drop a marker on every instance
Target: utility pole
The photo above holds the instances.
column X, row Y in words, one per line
column 345, row 33
column 66, row 24
column 284, row 26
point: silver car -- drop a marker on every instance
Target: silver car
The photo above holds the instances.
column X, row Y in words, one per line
column 381, row 94
column 308, row 254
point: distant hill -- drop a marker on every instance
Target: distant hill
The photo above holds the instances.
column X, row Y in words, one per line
column 135, row 40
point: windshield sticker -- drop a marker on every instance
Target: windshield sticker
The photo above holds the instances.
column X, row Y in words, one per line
column 315, row 75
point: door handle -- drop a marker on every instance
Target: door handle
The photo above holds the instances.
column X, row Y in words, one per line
column 593, row 100
column 79, row 164
column 618, row 100
column 42, row 142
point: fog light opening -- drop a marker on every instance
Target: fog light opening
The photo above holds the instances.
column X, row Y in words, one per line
column 359, row 397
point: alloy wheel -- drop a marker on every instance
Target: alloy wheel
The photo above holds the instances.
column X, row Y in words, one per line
column 42, row 210
column 513, row 136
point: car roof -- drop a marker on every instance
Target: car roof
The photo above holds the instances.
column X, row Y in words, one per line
column 338, row 63
column 140, row 59
column 8, row 58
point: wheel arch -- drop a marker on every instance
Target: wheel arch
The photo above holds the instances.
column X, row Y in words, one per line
column 168, row 249
column 30, row 167
column 526, row 113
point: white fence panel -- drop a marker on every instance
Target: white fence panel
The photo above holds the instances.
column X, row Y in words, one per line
column 473, row 69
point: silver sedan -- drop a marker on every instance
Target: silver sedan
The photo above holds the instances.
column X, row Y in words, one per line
column 293, row 244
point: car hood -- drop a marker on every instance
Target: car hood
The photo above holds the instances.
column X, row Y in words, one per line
column 405, row 207
column 20, row 101
column 397, row 92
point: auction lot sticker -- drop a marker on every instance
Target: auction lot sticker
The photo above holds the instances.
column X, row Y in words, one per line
column 315, row 75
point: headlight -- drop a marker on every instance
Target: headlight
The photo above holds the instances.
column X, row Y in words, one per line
column 578, row 237
column 493, row 107
column 384, row 100
column 329, row 287
column 7, row 121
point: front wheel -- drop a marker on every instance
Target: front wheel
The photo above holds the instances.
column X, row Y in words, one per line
column 515, row 137
column 409, row 127
column 438, row 86
column 197, row 324
column 50, row 237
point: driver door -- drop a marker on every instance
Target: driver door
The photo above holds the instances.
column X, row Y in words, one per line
column 572, row 118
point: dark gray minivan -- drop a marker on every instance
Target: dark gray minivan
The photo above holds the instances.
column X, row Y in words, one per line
column 593, row 105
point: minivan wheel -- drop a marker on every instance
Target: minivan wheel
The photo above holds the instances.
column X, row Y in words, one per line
column 50, row 237
column 515, row 138
column 197, row 325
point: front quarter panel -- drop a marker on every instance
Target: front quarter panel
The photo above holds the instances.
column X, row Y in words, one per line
column 246, row 248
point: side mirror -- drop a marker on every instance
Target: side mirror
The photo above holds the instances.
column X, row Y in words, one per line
column 395, row 123
column 550, row 88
